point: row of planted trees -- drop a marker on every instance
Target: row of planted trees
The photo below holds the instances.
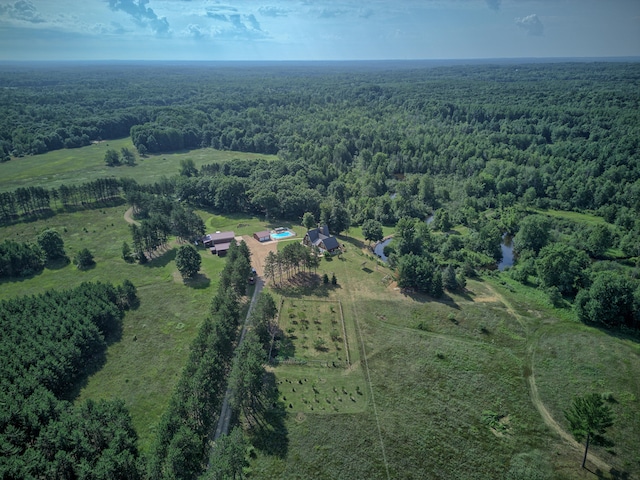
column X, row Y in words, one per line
column 28, row 201
column 181, row 446
column 253, row 398
column 292, row 259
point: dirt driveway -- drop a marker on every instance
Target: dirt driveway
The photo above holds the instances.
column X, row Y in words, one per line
column 259, row 251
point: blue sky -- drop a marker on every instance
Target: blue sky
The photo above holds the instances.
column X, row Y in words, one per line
column 316, row 29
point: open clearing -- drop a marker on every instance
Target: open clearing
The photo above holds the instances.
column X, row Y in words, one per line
column 451, row 385
column 85, row 164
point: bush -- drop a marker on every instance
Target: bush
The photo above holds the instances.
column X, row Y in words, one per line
column 84, row 259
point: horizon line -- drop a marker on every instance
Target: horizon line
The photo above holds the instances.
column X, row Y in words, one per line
column 627, row 58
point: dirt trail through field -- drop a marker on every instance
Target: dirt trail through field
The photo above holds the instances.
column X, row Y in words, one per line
column 128, row 217
column 532, row 342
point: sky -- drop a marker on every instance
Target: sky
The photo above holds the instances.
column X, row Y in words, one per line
column 316, row 29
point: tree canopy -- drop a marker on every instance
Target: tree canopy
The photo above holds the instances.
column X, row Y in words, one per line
column 589, row 417
column 188, row 261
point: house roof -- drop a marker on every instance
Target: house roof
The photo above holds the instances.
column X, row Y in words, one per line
column 318, row 233
column 330, row 243
column 219, row 237
column 222, row 247
column 263, row 234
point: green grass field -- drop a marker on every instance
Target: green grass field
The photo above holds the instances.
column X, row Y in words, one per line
column 433, row 389
column 144, row 365
column 80, row 165
column 429, row 388
column 446, row 385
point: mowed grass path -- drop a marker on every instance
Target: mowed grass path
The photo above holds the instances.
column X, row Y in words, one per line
column 450, row 394
column 80, row 165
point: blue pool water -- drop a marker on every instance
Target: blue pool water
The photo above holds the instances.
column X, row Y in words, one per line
column 279, row 236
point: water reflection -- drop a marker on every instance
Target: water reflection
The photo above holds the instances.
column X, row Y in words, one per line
column 507, row 252
column 379, row 249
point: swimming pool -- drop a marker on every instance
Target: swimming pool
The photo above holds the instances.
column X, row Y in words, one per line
column 281, row 235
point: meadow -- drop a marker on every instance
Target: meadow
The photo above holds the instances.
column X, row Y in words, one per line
column 447, row 385
column 85, row 164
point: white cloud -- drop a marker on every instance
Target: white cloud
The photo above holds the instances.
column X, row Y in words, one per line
column 22, row 10
column 142, row 15
column 270, row 11
column 532, row 24
column 332, row 12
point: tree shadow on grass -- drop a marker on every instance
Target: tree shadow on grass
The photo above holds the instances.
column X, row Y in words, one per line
column 162, row 259
column 91, row 367
column 199, row 282
column 303, row 284
column 424, row 298
column 613, row 473
column 270, row 435
column 619, row 332
column 58, row 263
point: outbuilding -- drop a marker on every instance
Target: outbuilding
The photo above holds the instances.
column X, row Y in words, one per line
column 219, row 242
column 263, row 236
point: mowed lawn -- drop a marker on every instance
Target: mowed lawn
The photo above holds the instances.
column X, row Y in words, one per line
column 446, row 386
column 80, row 165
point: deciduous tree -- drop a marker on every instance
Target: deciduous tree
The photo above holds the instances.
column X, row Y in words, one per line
column 372, row 230
column 562, row 266
column 309, row 221
column 52, row 244
column 111, row 158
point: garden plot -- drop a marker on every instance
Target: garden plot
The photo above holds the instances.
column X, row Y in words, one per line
column 309, row 390
column 314, row 371
column 313, row 332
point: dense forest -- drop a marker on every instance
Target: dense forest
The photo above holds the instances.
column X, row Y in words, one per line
column 482, row 146
column 481, row 151
column 47, row 342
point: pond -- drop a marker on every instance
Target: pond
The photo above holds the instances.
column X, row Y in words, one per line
column 379, row 249
column 507, row 252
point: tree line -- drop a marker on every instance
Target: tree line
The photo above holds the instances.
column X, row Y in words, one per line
column 21, row 259
column 48, row 341
column 181, row 447
column 30, row 201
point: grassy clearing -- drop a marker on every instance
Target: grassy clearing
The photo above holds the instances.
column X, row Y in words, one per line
column 587, row 360
column 449, row 385
column 585, row 218
column 80, row 165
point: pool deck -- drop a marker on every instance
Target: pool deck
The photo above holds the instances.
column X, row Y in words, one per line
column 282, row 234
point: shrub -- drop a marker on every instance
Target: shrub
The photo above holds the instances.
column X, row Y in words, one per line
column 84, row 259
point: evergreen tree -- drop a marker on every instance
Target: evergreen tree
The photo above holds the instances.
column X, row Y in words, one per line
column 52, row 244
column 589, row 417
column 84, row 259
column 188, row 261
